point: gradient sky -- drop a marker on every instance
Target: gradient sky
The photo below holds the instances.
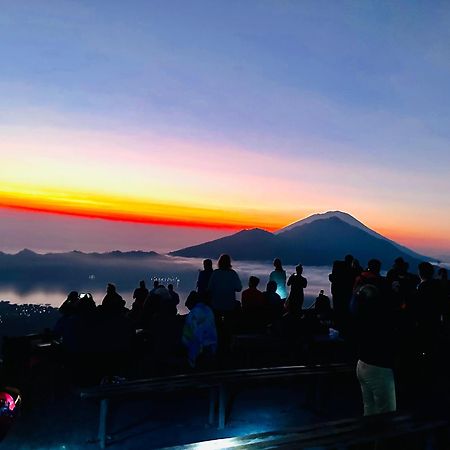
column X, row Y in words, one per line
column 158, row 124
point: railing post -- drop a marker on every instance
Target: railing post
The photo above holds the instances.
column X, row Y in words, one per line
column 212, row 404
column 222, row 405
column 104, row 403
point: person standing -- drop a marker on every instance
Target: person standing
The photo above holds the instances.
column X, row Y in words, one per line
column 222, row 288
column 203, row 278
column 223, row 285
column 374, row 333
column 279, row 276
column 297, row 282
column 139, row 296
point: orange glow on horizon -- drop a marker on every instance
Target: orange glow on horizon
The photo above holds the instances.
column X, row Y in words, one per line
column 137, row 211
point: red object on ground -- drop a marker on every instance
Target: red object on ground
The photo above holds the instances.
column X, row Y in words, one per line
column 8, row 400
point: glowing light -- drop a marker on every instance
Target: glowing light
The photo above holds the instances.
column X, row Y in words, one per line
column 217, row 444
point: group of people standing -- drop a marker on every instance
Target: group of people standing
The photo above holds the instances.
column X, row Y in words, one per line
column 396, row 323
column 390, row 320
column 219, row 288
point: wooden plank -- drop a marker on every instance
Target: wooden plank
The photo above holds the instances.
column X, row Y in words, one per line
column 209, row 379
column 337, row 433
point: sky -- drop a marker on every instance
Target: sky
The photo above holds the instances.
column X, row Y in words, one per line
column 160, row 124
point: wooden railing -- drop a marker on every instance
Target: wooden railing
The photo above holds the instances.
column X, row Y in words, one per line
column 217, row 382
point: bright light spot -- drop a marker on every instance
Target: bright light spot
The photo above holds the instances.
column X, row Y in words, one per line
column 218, row 444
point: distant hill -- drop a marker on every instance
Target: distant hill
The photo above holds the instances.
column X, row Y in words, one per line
column 257, row 243
column 74, row 269
column 317, row 241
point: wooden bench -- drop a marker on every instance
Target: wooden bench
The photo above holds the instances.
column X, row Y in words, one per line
column 336, row 434
column 217, row 382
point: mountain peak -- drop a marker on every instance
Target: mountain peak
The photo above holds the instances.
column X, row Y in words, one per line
column 349, row 219
column 317, row 240
column 26, row 252
column 345, row 217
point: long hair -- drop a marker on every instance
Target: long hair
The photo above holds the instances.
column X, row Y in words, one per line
column 224, row 262
column 277, row 264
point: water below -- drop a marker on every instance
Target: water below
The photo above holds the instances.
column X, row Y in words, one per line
column 181, row 272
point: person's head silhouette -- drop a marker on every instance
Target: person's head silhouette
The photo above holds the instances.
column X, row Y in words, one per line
column 271, row 286
column 277, row 264
column 224, row 262
column 374, row 266
column 426, row 271
column 253, row 282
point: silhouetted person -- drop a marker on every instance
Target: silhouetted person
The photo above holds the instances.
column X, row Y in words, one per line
column 152, row 304
column 165, row 301
column 356, row 268
column 289, row 327
column 402, row 285
column 445, row 288
column 112, row 302
column 174, row 295
column 200, row 333
column 372, row 276
column 139, row 295
column 342, row 280
column 252, row 298
column 374, row 330
column 203, row 278
column 65, row 327
column 274, row 301
column 397, row 270
column 279, row 276
column 155, row 286
column 191, row 300
column 81, row 339
column 137, row 308
column 86, row 303
column 222, row 288
column 254, row 307
column 429, row 308
column 297, row 282
column 322, row 306
column 69, row 305
column 223, row 285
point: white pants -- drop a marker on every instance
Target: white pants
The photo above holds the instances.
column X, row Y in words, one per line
column 377, row 387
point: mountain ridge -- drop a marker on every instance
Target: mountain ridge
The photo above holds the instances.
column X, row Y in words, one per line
column 348, row 218
column 313, row 242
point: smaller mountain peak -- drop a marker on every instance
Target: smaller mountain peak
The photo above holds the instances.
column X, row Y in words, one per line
column 26, row 252
column 253, row 231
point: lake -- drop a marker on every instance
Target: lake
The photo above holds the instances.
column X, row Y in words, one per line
column 181, row 272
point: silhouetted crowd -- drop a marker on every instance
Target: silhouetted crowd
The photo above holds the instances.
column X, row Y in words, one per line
column 393, row 323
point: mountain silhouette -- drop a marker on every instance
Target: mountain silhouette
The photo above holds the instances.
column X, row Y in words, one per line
column 347, row 218
column 254, row 244
column 311, row 242
column 72, row 270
